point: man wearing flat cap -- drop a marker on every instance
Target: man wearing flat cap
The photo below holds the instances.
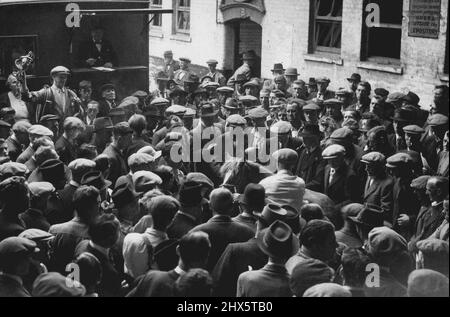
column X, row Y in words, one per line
column 379, row 186
column 34, row 132
column 323, row 93
column 181, row 75
column 170, row 65
column 15, row 261
column 215, row 74
column 18, row 140
column 57, row 99
column 340, row 182
column 122, row 137
column 34, row 217
column 432, row 140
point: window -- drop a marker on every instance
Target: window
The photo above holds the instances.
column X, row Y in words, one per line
column 326, row 26
column 382, row 43
column 157, row 18
column 182, row 16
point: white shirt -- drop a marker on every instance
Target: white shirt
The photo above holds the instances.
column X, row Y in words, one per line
column 19, row 107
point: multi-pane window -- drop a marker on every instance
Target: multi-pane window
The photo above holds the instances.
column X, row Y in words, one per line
column 326, row 26
column 157, row 18
column 374, row 46
column 182, row 16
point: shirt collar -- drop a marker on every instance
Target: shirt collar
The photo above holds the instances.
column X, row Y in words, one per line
column 436, row 204
column 63, row 90
column 74, row 183
column 157, row 233
column 179, row 270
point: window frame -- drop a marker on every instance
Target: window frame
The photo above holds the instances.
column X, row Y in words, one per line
column 153, row 16
column 177, row 9
column 314, row 48
column 365, row 39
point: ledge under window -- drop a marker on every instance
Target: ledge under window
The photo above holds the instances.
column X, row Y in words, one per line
column 392, row 69
column 181, row 37
column 327, row 59
column 156, row 33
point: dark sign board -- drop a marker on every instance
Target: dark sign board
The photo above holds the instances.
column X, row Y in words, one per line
column 424, row 18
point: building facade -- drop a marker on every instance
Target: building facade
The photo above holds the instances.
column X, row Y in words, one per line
column 400, row 45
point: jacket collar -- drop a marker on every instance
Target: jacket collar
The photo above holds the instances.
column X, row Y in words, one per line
column 220, row 218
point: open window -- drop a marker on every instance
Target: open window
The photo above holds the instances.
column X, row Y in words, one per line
column 382, row 43
column 326, row 26
column 182, row 16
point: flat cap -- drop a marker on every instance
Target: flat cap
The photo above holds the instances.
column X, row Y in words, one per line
column 396, row 97
column 252, row 83
column 433, row 247
column 159, row 102
column 344, row 92
column 437, row 120
column 374, row 157
column 185, row 59
column 144, row 181
column 176, row 110
column 281, row 127
column 413, row 129
column 151, row 151
column 398, row 159
column 140, row 94
column 168, row 53
column 420, row 182
column 16, row 246
column 333, row 151
column 54, row 284
column 38, row 129
column 81, row 164
column 140, row 159
column 38, row 189
column 384, row 243
column 311, row 107
column 122, row 128
column 412, row 98
column 381, row 92
column 286, row 156
column 258, row 113
column 248, row 98
column 342, row 134
column 107, row 86
column 48, row 118
column 327, row 290
column 117, row 112
column 59, row 70
column 21, row 126
column 10, row 169
column 332, row 102
column 323, row 79
column 36, row 235
column 212, row 62
column 189, row 113
column 427, row 283
column 199, row 178
column 225, row 89
column 236, row 119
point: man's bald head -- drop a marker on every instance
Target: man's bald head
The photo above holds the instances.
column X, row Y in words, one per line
column 221, row 201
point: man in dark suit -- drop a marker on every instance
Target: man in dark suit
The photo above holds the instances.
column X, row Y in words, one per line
column 340, row 183
column 14, row 198
column 137, row 124
column 65, row 146
column 220, row 228
column 170, row 65
column 279, row 243
column 241, row 257
column 121, row 140
column 406, row 205
column 193, row 251
column 379, row 186
column 107, row 101
column 432, row 141
column 311, row 165
column 97, row 51
column 189, row 215
column 19, row 139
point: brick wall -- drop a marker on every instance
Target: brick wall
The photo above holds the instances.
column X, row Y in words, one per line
column 285, row 33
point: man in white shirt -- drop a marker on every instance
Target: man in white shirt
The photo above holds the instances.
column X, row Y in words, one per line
column 284, row 188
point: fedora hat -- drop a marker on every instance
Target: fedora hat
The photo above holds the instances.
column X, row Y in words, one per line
column 404, row 115
column 271, row 213
column 254, row 197
column 52, row 170
column 248, row 56
column 291, row 71
column 370, row 216
column 354, row 77
column 278, row 241
column 96, row 179
column 293, row 219
column 278, row 67
column 190, row 194
column 207, row 110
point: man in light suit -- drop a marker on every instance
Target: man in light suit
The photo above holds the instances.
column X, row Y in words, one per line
column 379, row 186
column 279, row 243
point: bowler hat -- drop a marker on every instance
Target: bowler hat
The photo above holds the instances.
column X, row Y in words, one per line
column 291, row 71
column 15, row 246
column 190, row 194
column 369, row 217
column 123, row 195
column 52, row 171
column 355, row 77
column 277, row 241
column 310, row 130
column 103, row 123
column 254, row 197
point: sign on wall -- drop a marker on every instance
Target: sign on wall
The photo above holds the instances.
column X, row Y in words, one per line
column 424, row 18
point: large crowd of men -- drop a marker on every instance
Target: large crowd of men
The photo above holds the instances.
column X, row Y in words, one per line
column 353, row 201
